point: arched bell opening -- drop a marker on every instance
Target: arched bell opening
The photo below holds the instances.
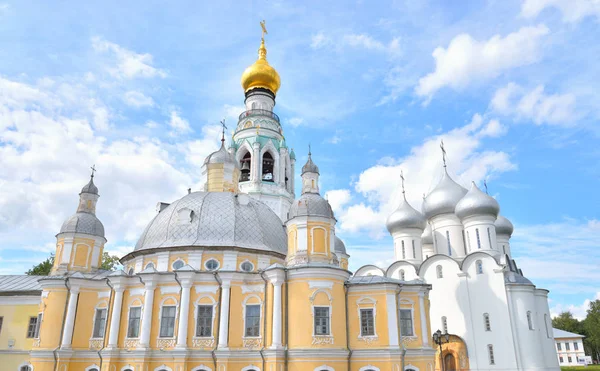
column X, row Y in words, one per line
column 267, row 168
column 245, row 166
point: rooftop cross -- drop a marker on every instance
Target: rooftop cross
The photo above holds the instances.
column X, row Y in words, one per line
column 93, row 169
column 224, row 128
column 309, row 149
column 402, row 180
column 264, row 29
column 443, row 152
column 485, row 185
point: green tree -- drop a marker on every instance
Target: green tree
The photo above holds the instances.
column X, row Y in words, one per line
column 591, row 325
column 109, row 263
column 565, row 321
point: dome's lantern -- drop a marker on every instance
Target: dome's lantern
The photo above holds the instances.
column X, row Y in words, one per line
column 260, row 74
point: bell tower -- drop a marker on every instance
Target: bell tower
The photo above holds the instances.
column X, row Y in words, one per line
column 258, row 145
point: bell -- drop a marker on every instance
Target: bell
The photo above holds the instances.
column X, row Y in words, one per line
column 246, row 166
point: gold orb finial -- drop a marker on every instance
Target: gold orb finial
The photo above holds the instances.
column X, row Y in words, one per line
column 261, row 74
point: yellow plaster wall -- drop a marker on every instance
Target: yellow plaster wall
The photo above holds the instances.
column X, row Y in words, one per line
column 167, row 299
column 292, row 239
column 53, row 307
column 363, row 300
column 236, row 316
column 84, row 320
column 15, row 325
column 318, row 236
column 128, row 300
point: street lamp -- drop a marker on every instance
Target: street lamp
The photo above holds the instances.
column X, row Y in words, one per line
column 440, row 339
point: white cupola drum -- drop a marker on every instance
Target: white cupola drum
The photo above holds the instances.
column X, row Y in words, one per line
column 478, row 212
column 406, row 226
column 504, row 230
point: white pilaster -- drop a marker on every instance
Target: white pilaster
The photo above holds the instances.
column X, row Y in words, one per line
column 277, row 314
column 115, row 318
column 147, row 315
column 424, row 333
column 224, row 319
column 255, row 175
column 392, row 315
column 184, row 311
column 70, row 319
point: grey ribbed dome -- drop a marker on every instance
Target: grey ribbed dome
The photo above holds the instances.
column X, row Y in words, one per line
column 443, row 198
column 476, row 202
column 215, row 219
column 90, row 187
column 83, row 222
column 339, row 246
column 310, row 204
column 405, row 216
column 220, row 157
column 427, row 236
column 310, row 166
column 504, row 226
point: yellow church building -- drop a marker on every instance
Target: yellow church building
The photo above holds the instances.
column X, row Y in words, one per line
column 241, row 276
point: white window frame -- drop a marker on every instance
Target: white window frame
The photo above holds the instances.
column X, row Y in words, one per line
column 212, row 270
column 127, row 367
column 201, row 368
column 26, row 364
column 312, row 240
column 369, row 367
column 312, row 313
column 148, row 264
column 212, row 327
column 324, row 367
column 96, row 309
column 260, row 328
column 91, row 367
column 405, row 302
column 251, row 367
column 246, row 261
column 163, row 367
column 177, row 260
column 363, row 303
column 134, row 305
column 160, row 312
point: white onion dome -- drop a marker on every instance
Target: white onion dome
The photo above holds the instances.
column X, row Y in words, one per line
column 222, row 156
column 443, row 198
column 90, row 187
column 82, row 222
column 339, row 246
column 503, row 226
column 215, row 219
column 310, row 204
column 476, row 202
column 404, row 217
column 310, row 166
column 427, row 236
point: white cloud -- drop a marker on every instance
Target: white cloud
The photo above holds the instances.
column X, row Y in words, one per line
column 379, row 185
column 129, row 64
column 493, row 129
column 357, row 41
column 572, row 10
column 338, row 198
column 178, row 124
column 466, row 61
column 578, row 311
column 535, row 105
column 137, row 99
column 295, row 121
column 363, row 41
column 319, row 41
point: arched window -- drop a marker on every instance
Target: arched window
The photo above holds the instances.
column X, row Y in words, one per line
column 150, row 265
column 546, row 324
column 414, row 249
column 211, row 264
column 478, row 239
column 449, row 244
column 479, row 267
column 245, row 166
column 464, row 242
column 130, row 272
column 490, row 238
column 177, row 264
column 401, row 274
column 469, row 240
column 445, row 324
column 529, row 320
column 267, row 168
column 247, row 266
column 440, row 273
column 403, row 250
column 25, row 368
column 486, row 322
column 491, row 354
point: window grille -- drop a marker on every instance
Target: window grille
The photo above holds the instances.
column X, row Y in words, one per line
column 204, row 321
column 491, row 354
column 445, row 324
column 133, row 327
column 167, row 321
column 99, row 323
column 479, row 266
column 31, row 327
column 367, row 324
column 321, row 320
column 486, row 322
column 252, row 320
column 406, row 322
column 478, row 239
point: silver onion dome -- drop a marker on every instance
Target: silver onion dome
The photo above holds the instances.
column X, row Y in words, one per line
column 222, row 156
column 503, row 226
column 90, row 187
column 404, row 217
column 215, row 219
column 476, row 202
column 427, row 236
column 340, row 247
column 310, row 204
column 443, row 198
column 310, row 166
column 83, row 222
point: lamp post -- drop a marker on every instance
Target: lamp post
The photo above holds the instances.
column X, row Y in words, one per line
column 440, row 339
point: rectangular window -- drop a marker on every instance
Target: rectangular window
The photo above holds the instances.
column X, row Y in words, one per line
column 559, row 346
column 486, row 322
column 403, row 250
column 469, row 240
column 575, row 346
column 567, row 346
column 464, row 242
column 133, row 327
column 491, row 354
column 445, row 324
column 490, row 238
column 406, row 322
column 478, row 239
column 569, row 358
column 367, row 324
column 167, row 322
column 252, row 320
column 204, row 321
column 31, row 327
column 1, row 320
column 321, row 320
column 449, row 245
column 414, row 249
column 99, row 323
column 38, row 323
column 561, row 359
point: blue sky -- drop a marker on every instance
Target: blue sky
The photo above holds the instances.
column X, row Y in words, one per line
column 138, row 88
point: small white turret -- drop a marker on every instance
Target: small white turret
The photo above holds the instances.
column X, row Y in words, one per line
column 504, row 230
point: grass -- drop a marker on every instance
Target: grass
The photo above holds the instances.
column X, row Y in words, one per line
column 581, row 368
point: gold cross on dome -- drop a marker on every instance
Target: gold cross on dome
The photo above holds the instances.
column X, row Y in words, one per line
column 264, row 29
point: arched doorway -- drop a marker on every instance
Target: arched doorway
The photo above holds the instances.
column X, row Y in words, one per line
column 449, row 362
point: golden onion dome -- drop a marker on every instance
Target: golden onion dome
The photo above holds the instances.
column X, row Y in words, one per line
column 261, row 74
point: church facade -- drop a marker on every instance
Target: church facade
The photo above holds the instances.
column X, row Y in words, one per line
column 244, row 276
